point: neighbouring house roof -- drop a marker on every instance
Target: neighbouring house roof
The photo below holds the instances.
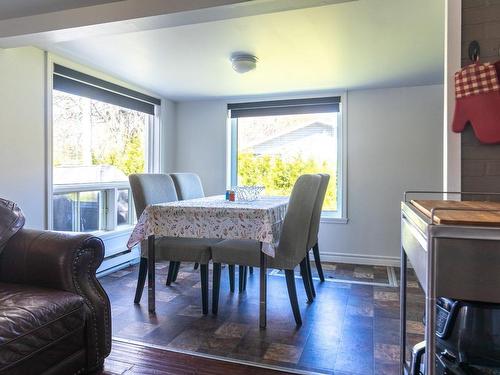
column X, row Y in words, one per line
column 311, row 141
column 87, row 174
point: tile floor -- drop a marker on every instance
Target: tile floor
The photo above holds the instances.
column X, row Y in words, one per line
column 352, row 327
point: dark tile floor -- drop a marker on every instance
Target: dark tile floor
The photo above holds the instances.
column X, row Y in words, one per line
column 350, row 328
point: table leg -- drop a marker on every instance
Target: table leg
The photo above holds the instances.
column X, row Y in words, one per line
column 263, row 290
column 151, row 274
column 430, row 310
column 402, row 311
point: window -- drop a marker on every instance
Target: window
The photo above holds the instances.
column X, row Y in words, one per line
column 273, row 143
column 100, row 135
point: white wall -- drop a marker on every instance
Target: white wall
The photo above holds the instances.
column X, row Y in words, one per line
column 452, row 148
column 22, row 142
column 168, row 135
column 201, row 142
column 394, row 144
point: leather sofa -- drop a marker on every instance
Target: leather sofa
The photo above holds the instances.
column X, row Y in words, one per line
column 54, row 315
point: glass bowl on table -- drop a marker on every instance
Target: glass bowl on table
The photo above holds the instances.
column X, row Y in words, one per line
column 248, row 193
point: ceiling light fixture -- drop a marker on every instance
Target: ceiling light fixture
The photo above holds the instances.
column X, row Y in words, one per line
column 243, row 62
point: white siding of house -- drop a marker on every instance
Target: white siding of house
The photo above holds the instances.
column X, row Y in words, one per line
column 316, row 142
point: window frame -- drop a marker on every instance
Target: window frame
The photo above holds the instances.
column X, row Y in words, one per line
column 335, row 217
column 108, row 215
column 109, row 190
column 76, row 223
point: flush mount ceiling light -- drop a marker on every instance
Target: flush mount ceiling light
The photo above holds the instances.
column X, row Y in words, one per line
column 243, row 62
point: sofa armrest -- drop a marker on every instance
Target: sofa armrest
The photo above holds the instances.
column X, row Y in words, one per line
column 50, row 259
column 64, row 261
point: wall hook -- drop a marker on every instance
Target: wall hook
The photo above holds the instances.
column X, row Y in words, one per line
column 474, row 51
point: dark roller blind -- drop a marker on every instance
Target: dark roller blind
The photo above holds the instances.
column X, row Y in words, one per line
column 285, row 107
column 78, row 83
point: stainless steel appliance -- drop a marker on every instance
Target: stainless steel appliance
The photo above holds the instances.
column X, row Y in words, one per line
column 459, row 260
column 467, row 339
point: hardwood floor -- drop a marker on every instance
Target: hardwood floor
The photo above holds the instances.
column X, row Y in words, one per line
column 128, row 359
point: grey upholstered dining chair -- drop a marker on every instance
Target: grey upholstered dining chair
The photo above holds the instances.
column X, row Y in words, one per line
column 312, row 242
column 187, row 186
column 290, row 252
column 149, row 189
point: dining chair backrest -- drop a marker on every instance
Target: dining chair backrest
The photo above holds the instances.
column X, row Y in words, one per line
column 187, row 185
column 316, row 215
column 295, row 230
column 151, row 188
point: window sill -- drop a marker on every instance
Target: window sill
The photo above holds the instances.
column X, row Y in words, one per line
column 333, row 217
column 334, row 220
column 108, row 234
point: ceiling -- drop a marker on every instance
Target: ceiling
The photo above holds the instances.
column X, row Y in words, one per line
column 23, row 8
column 359, row 44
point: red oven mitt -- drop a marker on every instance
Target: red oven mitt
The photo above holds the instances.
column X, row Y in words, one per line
column 477, row 92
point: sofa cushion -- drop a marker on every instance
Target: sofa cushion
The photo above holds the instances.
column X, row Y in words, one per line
column 33, row 318
column 11, row 220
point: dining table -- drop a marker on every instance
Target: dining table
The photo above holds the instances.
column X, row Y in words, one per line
column 213, row 217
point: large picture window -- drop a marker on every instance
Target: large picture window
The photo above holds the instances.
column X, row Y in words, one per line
column 99, row 137
column 273, row 143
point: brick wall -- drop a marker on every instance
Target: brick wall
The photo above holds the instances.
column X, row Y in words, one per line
column 480, row 163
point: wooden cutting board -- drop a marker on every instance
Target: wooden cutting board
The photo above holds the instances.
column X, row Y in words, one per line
column 466, row 217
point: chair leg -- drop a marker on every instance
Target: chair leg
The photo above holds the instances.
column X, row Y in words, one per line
column 305, row 279
column 317, row 260
column 204, row 287
column 171, row 272
column 241, row 275
column 231, row 277
column 196, row 266
column 292, row 294
column 141, row 280
column 245, row 278
column 308, row 263
column 176, row 271
column 216, row 288
column 251, row 270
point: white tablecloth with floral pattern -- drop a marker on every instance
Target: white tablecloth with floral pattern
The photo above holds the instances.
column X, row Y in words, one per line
column 214, row 217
